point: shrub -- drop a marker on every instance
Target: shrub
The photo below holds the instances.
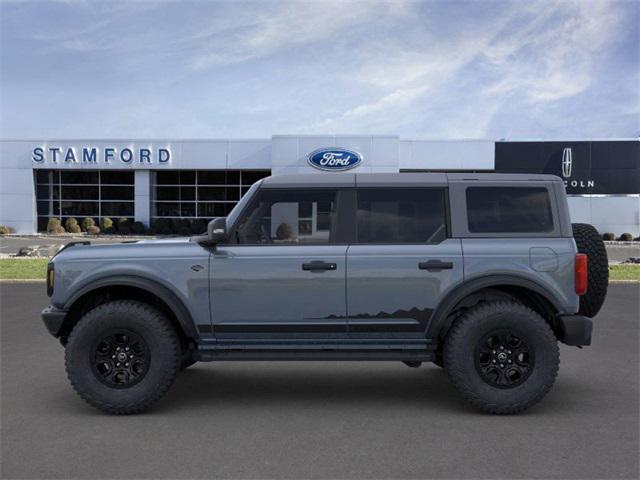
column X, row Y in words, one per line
column 608, row 236
column 88, row 222
column 181, row 226
column 71, row 225
column 162, row 226
column 198, row 227
column 124, row 226
column 93, row 230
column 106, row 226
column 5, row 230
column 57, row 230
column 137, row 228
column 626, row 237
column 52, row 224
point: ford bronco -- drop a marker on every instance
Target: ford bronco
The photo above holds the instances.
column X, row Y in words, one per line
column 481, row 274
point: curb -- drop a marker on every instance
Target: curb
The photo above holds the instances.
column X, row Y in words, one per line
column 22, row 280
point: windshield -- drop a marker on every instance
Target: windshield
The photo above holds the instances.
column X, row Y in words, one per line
column 233, row 214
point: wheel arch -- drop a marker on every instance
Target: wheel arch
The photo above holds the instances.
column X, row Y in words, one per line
column 133, row 288
column 494, row 287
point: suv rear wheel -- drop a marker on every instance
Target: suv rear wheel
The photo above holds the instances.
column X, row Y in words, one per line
column 122, row 356
column 502, row 356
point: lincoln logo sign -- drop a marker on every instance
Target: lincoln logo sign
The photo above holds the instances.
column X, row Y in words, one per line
column 94, row 155
column 334, row 159
column 567, row 161
column 567, row 168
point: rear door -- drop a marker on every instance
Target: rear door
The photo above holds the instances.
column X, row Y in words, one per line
column 401, row 262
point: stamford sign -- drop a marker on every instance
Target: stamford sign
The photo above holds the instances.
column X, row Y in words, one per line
column 95, row 155
column 334, row 159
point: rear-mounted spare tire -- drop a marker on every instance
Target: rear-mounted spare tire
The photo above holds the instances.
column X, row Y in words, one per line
column 589, row 242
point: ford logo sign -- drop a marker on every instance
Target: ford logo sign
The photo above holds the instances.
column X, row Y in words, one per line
column 334, row 159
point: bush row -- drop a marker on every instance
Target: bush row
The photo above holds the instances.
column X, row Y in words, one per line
column 123, row 226
column 625, row 237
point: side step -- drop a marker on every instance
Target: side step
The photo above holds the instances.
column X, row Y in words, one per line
column 308, row 354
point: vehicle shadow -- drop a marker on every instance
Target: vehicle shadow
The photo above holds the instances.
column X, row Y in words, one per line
column 363, row 385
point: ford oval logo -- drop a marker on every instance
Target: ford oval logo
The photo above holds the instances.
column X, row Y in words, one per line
column 334, row 159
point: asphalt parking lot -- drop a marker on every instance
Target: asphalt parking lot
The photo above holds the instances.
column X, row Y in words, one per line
column 320, row 420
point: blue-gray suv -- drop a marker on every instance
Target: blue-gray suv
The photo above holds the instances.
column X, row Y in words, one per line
column 481, row 274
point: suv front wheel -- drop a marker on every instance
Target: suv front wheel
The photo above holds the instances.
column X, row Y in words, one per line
column 502, row 356
column 122, row 356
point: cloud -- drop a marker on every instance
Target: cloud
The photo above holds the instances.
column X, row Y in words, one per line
column 420, row 69
column 553, row 57
column 291, row 24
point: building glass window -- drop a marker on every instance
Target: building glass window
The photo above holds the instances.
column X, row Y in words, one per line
column 202, row 194
column 79, row 194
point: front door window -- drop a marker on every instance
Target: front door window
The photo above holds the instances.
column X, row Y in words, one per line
column 289, row 217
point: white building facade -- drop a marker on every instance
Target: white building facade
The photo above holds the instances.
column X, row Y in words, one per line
column 145, row 180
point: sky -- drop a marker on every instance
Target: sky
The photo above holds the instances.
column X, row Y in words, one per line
column 420, row 70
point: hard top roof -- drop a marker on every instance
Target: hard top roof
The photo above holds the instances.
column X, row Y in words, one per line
column 396, row 179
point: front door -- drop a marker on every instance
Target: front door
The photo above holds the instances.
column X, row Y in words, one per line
column 401, row 263
column 283, row 273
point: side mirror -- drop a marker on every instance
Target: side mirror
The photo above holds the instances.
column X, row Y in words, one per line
column 217, row 230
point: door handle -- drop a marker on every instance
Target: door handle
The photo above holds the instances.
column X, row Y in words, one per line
column 318, row 266
column 435, row 265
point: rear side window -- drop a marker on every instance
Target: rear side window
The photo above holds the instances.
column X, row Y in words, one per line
column 401, row 215
column 509, row 210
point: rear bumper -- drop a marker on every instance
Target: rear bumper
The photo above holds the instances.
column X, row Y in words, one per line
column 53, row 319
column 575, row 330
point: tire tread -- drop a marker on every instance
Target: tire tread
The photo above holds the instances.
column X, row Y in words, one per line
column 454, row 353
column 164, row 329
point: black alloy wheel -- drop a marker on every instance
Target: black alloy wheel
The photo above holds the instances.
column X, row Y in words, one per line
column 120, row 359
column 504, row 359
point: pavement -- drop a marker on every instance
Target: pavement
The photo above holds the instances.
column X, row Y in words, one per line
column 12, row 244
column 320, row 420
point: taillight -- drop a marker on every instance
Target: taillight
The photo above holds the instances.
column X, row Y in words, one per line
column 581, row 273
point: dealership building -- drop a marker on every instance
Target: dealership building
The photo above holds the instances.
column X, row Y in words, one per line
column 146, row 180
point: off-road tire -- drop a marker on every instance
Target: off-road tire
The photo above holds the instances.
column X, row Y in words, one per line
column 186, row 360
column 589, row 242
column 460, row 356
column 438, row 361
column 162, row 344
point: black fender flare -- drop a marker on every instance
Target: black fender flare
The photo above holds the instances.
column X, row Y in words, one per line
column 439, row 318
column 182, row 314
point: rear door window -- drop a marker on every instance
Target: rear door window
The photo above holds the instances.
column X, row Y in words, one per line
column 509, row 210
column 401, row 215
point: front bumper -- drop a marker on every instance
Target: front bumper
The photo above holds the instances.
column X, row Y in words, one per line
column 53, row 319
column 575, row 330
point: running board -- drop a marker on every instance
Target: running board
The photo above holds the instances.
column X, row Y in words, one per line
column 342, row 355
